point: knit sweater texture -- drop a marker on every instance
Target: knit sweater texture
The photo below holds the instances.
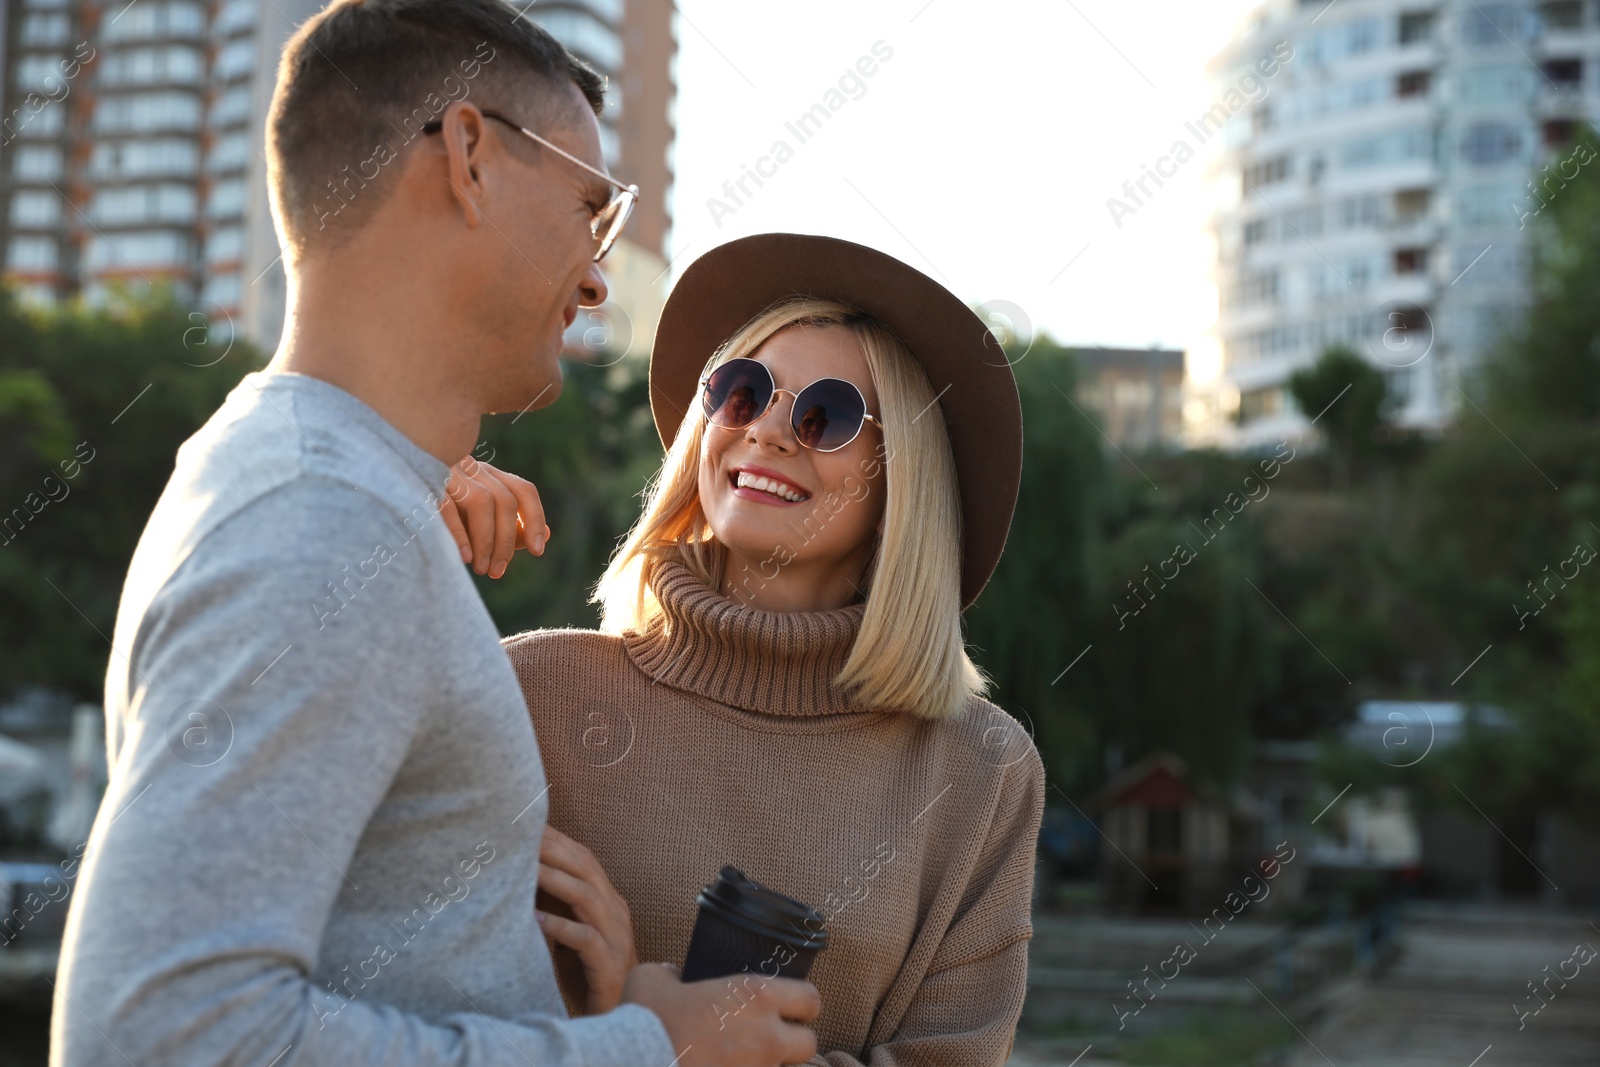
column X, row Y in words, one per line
column 717, row 736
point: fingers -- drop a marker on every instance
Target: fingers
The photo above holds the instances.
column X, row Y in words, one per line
column 579, row 937
column 488, row 512
column 533, row 532
column 588, row 903
column 452, row 522
column 796, row 1044
column 797, row 1000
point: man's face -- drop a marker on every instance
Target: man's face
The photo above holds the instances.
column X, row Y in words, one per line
column 536, row 267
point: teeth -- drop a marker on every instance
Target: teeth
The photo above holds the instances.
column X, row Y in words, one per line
column 767, row 485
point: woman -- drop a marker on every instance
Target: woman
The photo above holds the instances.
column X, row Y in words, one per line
column 781, row 683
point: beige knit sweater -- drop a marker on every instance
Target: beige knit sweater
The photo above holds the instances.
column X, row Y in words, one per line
column 716, row 737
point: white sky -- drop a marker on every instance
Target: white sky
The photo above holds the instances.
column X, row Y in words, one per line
column 981, row 153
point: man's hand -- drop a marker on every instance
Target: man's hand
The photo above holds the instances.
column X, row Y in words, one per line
column 599, row 930
column 713, row 1026
column 491, row 514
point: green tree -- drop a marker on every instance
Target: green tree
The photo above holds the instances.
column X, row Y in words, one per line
column 1347, row 397
column 95, row 402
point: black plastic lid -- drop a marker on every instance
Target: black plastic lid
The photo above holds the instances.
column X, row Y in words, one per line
column 767, row 912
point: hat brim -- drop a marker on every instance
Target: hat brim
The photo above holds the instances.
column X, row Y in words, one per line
column 977, row 393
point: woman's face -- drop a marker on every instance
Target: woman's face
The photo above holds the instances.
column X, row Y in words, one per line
column 805, row 546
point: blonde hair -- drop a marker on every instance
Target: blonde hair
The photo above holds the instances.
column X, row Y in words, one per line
column 909, row 654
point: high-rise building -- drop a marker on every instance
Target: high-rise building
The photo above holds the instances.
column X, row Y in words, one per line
column 131, row 149
column 1374, row 171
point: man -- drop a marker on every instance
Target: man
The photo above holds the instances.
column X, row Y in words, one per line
column 320, row 839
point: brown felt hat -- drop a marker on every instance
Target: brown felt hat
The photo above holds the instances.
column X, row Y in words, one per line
column 735, row 282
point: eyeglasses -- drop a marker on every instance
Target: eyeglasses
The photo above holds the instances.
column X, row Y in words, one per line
column 827, row 414
column 606, row 224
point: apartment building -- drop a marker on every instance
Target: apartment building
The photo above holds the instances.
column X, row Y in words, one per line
column 1374, row 190
column 131, row 147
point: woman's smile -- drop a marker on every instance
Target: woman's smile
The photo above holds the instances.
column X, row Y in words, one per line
column 764, row 485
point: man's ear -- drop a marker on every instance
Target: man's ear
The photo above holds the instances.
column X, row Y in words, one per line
column 466, row 141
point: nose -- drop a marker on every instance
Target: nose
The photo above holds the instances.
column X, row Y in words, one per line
column 773, row 429
column 592, row 291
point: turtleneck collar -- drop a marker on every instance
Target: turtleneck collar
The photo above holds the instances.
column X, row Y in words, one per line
column 771, row 662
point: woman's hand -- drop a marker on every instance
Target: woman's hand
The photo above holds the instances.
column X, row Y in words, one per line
column 599, row 930
column 491, row 514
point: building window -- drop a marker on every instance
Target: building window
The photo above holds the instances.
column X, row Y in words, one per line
column 236, row 15
column 1557, row 132
column 1396, row 146
column 128, row 251
column 237, row 59
column 226, row 200
column 1255, row 232
column 36, row 163
column 225, row 245
column 143, row 204
column 170, row 157
column 1416, row 27
column 222, row 290
column 42, row 73
column 154, row 19
column 35, row 209
column 1410, row 261
column 1260, row 403
column 1411, row 205
column 47, row 122
column 1487, row 143
column 231, row 106
column 1487, row 205
column 1564, row 73
column 1561, row 14
column 1261, row 287
column 1266, row 172
column 585, row 34
column 1487, row 25
column 1414, row 83
column 46, row 28
column 1363, row 36
column 146, row 112
column 1359, row 212
column 231, row 152
column 174, row 64
column 1504, row 83
column 31, row 254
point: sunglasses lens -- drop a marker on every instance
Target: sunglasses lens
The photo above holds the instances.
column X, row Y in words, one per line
column 737, row 393
column 828, row 414
column 607, row 226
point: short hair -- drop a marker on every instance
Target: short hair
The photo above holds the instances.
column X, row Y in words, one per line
column 359, row 80
column 909, row 655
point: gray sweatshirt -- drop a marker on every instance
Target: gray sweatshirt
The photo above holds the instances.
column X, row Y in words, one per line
column 320, row 839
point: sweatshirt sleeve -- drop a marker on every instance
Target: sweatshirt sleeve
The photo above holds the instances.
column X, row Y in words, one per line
column 965, row 1010
column 260, row 735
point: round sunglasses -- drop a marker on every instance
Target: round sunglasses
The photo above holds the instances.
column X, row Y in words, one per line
column 827, row 414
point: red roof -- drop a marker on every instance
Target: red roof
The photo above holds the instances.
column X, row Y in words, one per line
column 1159, row 787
